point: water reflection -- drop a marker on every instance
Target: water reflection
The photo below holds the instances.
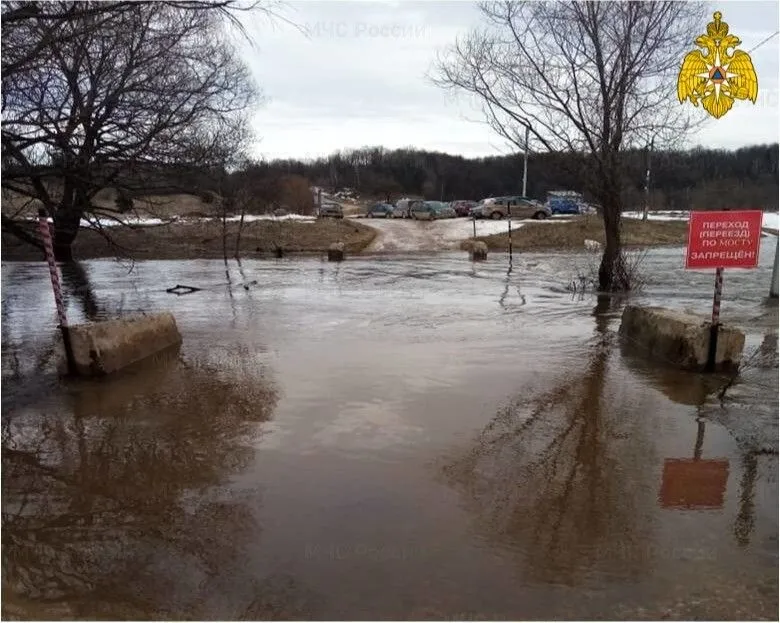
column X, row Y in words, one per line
column 542, row 476
column 112, row 506
column 680, row 386
column 281, row 597
column 134, row 502
column 694, row 484
column 76, row 284
column 745, row 521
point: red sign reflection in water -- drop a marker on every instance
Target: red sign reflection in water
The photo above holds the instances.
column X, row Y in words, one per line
column 694, row 484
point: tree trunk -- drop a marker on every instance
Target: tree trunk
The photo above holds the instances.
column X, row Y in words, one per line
column 66, row 228
column 609, row 277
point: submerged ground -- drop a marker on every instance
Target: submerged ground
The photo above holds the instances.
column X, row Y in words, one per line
column 393, row 437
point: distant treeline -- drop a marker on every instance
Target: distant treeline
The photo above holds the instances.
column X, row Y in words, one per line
column 680, row 180
column 695, row 179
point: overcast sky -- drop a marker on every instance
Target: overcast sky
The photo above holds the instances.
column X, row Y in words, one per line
column 359, row 79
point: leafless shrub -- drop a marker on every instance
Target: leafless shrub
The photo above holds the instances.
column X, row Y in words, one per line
column 764, row 355
column 628, row 269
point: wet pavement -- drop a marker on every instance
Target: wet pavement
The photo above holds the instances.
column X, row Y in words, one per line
column 408, row 437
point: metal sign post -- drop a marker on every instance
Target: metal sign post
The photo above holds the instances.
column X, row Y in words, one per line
column 509, row 226
column 45, row 230
column 715, row 322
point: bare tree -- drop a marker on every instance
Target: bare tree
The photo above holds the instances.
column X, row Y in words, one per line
column 106, row 94
column 85, row 528
column 589, row 77
column 295, row 194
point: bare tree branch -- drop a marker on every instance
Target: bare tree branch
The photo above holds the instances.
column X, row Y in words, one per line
column 99, row 94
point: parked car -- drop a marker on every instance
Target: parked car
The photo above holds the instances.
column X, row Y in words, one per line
column 518, row 207
column 566, row 202
column 380, row 210
column 462, row 207
column 330, row 210
column 280, row 212
column 444, row 210
column 402, row 208
column 431, row 210
column 476, row 211
column 563, row 205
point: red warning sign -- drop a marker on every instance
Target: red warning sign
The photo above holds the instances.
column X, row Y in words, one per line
column 724, row 239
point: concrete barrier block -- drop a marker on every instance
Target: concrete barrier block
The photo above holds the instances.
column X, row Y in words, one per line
column 479, row 251
column 680, row 339
column 336, row 252
column 106, row 347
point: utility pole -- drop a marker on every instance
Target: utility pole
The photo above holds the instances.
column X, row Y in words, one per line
column 525, row 161
column 647, row 180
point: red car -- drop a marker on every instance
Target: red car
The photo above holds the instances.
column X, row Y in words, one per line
column 462, row 207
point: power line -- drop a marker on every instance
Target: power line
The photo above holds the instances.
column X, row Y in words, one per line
column 764, row 41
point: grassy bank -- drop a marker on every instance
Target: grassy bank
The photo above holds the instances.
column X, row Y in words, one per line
column 204, row 240
column 572, row 235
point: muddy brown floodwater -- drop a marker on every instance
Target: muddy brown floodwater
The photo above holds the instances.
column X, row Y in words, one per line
column 388, row 438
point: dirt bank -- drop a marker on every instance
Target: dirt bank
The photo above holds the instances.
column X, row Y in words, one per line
column 572, row 235
column 204, row 240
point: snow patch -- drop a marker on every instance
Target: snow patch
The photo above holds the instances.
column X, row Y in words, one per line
column 441, row 235
column 147, row 222
column 659, row 216
column 771, row 219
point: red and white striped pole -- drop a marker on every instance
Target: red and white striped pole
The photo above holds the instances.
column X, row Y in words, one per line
column 713, row 346
column 45, row 230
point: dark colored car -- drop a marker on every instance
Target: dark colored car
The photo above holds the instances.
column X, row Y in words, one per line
column 463, row 207
column 380, row 210
column 330, row 210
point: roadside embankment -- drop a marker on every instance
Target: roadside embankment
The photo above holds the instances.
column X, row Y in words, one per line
column 204, row 240
column 573, row 234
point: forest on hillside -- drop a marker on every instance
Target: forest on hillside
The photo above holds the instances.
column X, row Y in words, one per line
column 681, row 180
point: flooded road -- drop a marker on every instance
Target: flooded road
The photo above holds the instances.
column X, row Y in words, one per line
column 413, row 437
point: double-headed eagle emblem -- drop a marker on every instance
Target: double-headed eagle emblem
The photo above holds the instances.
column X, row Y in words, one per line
column 714, row 77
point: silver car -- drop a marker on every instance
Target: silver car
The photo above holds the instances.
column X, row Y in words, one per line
column 445, row 210
column 403, row 208
column 432, row 210
column 518, row 207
